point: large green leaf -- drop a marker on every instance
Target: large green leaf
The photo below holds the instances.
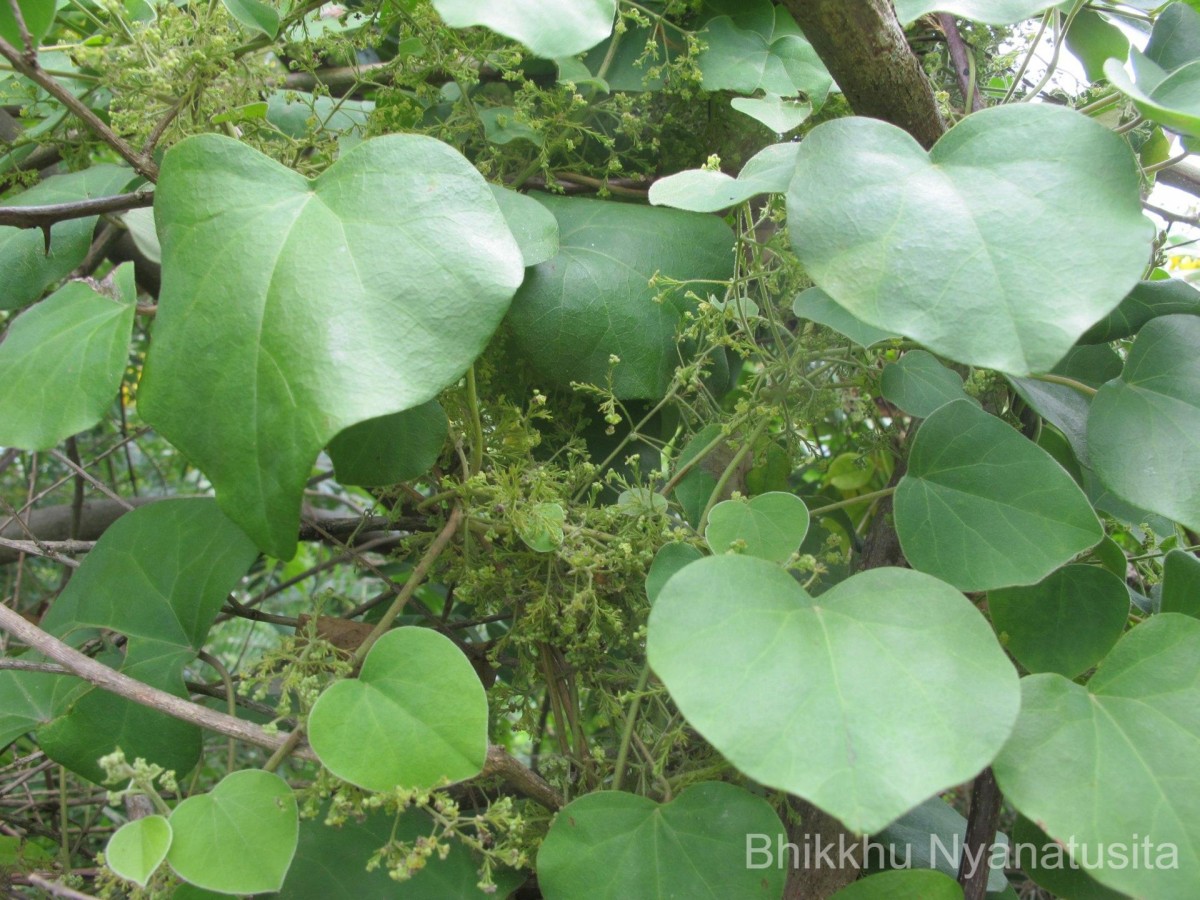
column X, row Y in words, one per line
column 887, row 688
column 704, row 190
column 594, row 299
column 961, row 249
column 817, row 306
column 610, row 845
column 240, row 837
column 158, row 575
column 982, row 507
column 1116, row 765
column 1065, row 623
column 415, row 715
column 38, row 15
column 1181, row 583
column 1093, row 39
column 550, row 28
column 1175, row 39
column 138, row 848
column 989, row 12
column 392, row 448
column 1171, row 99
column 292, row 309
column 28, row 269
column 62, row 361
column 1144, row 428
column 1148, row 300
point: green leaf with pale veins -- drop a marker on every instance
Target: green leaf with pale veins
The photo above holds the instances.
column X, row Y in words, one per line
column 770, row 526
column 1117, row 762
column 897, row 687
column 1144, row 428
column 240, row 837
column 550, row 28
column 961, row 248
column 255, row 15
column 1166, row 83
column 138, row 848
column 27, row 268
column 62, row 361
column 701, row 190
column 983, row 507
column 292, row 309
column 415, row 715
column 533, row 226
column 594, row 299
column 610, row 845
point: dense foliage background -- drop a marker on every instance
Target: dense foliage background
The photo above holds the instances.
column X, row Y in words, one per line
column 559, row 449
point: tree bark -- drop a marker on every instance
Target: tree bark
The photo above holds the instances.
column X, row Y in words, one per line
column 863, row 46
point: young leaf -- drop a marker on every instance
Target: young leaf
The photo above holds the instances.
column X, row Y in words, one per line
column 549, row 28
column 415, row 715
column 924, row 244
column 62, row 361
column 982, row 507
column 1065, row 623
column 700, row 190
column 770, row 526
column 863, row 734
column 614, row 845
column 138, row 848
column 1135, row 726
column 240, row 837
column 594, row 300
column 292, row 309
column 255, row 14
column 1144, row 428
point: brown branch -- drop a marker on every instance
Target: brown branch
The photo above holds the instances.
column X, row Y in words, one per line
column 32, row 70
column 525, row 780
column 52, row 213
column 960, row 59
column 23, row 31
column 107, row 679
column 975, row 865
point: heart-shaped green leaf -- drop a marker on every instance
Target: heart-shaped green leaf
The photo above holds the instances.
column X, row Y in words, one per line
column 1135, row 730
column 903, row 884
column 62, row 361
column 158, row 575
column 702, row 190
column 392, row 448
column 1171, row 99
column 919, row 384
column 895, row 685
column 254, row 254
column 594, row 300
column 1180, row 585
column 240, row 837
column 989, row 12
column 973, row 286
column 780, row 114
column 1064, row 624
column 771, row 526
column 1148, row 300
column 138, row 848
column 982, row 507
column 610, row 845
column 541, row 526
column 27, row 268
column 255, row 14
column 1092, row 39
column 1144, row 428
column 550, row 28
column 817, row 306
column 415, row 716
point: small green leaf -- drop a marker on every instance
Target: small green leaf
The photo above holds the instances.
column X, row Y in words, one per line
column 1144, row 428
column 549, row 28
column 138, row 848
column 541, row 527
column 775, row 59
column 62, row 361
column 770, row 526
column 701, row 190
column 865, row 735
column 300, row 115
column 641, row 501
column 987, row 12
column 256, row 15
column 1065, row 623
column 1062, row 406
column 611, row 845
column 594, row 300
column 903, row 884
column 1181, row 583
column 1175, row 38
column 779, row 114
column 27, row 268
column 240, row 837
column 817, row 306
column 919, row 384
column 533, row 226
column 37, row 14
column 502, row 125
column 415, row 716
column 982, row 507
column 669, row 559
column 1172, row 99
column 894, row 243
column 1148, row 300
column 1093, row 39
column 1135, row 730
column 238, row 380
column 1049, row 864
column 392, row 448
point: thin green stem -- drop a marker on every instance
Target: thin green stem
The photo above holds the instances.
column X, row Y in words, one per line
column 853, row 501
column 1037, row 39
column 230, row 699
column 476, row 423
column 1069, row 382
column 627, row 731
column 715, row 497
